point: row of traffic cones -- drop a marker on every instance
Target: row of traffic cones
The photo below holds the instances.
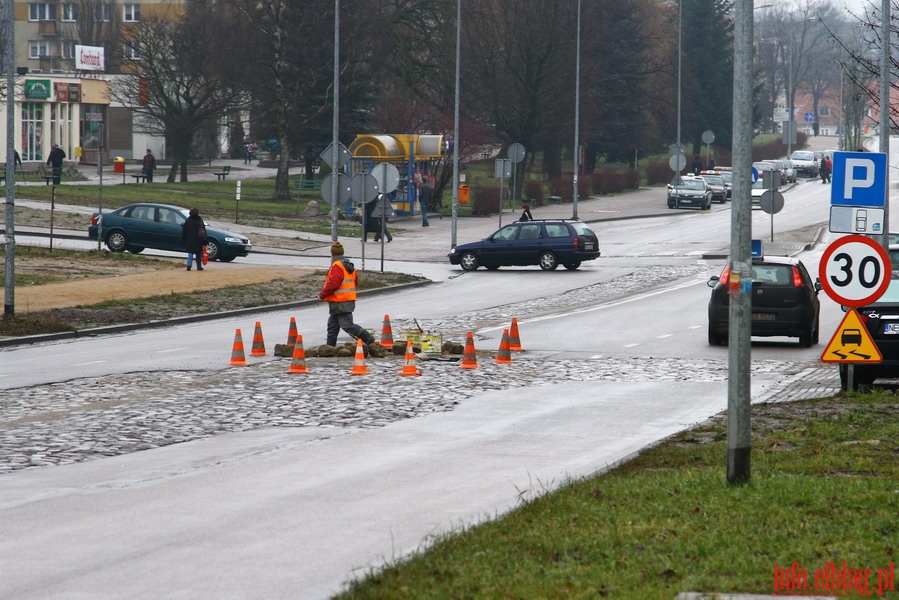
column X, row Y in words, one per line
column 510, row 342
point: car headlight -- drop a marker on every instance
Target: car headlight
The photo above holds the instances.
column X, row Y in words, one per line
column 235, row 240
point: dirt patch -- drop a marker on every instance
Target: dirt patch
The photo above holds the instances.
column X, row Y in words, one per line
column 131, row 281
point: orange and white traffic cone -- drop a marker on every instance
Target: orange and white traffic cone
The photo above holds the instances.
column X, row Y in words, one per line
column 387, row 333
column 258, row 348
column 469, row 358
column 238, row 358
column 298, row 362
column 514, row 341
column 409, row 368
column 505, row 356
column 292, row 332
column 359, row 367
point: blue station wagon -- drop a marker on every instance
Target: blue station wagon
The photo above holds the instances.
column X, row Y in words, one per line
column 548, row 243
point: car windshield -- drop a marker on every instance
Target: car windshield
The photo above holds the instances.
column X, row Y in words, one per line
column 803, row 156
column 772, row 274
column 692, row 184
column 714, row 179
column 763, row 166
column 727, row 176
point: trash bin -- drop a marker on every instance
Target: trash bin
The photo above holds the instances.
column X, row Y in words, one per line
column 463, row 193
column 118, row 164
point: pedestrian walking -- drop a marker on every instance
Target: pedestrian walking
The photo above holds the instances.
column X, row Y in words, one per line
column 382, row 212
column 696, row 166
column 425, row 197
column 54, row 159
column 149, row 166
column 826, row 166
column 193, row 235
column 18, row 159
column 526, row 213
column 370, row 223
column 339, row 292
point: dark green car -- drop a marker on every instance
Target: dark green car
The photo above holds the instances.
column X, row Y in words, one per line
column 158, row 226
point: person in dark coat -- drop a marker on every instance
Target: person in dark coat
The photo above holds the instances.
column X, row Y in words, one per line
column 526, row 213
column 193, row 234
column 371, row 224
column 54, row 159
column 149, row 166
column 425, row 197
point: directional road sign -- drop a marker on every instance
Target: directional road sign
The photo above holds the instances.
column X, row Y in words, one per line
column 854, row 270
column 852, row 343
column 859, row 179
column 809, row 117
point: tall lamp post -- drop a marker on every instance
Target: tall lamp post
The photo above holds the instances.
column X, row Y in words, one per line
column 456, row 124
column 679, row 150
column 10, row 62
column 577, row 113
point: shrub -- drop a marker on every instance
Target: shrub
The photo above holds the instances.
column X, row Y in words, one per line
column 486, row 201
column 631, row 179
column 659, row 172
column 534, row 190
column 562, row 187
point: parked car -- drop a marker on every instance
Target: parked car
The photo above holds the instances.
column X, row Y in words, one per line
column 693, row 191
column 789, row 170
column 548, row 243
column 158, row 226
column 782, row 167
column 784, row 301
column 881, row 319
column 763, row 165
column 805, row 162
column 728, row 175
column 716, row 184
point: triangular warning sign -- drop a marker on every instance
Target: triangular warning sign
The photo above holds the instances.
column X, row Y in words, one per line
column 852, row 343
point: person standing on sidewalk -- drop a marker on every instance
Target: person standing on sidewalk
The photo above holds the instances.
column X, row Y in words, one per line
column 193, row 234
column 54, row 159
column 425, row 196
column 339, row 292
column 149, row 166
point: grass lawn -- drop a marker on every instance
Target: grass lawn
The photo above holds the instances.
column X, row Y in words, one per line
column 824, row 490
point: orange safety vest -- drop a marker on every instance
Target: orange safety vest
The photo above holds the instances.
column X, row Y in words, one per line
column 347, row 290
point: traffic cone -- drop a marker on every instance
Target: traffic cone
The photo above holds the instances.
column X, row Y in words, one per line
column 237, row 356
column 258, row 348
column 387, row 333
column 409, row 368
column 504, row 357
column 359, row 367
column 298, row 363
column 514, row 342
column 292, row 332
column 469, row 358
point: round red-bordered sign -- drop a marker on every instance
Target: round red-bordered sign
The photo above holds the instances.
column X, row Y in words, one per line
column 855, row 270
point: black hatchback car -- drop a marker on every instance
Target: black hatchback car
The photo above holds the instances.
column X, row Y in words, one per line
column 784, row 301
column 158, row 226
column 548, row 243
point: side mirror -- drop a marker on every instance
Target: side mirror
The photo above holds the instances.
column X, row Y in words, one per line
column 818, row 286
column 712, row 282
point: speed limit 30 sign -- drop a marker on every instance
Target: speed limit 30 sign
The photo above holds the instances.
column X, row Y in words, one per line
column 855, row 270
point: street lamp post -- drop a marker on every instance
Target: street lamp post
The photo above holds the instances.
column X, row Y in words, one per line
column 577, row 113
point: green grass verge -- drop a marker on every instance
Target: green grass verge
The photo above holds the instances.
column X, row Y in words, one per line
column 824, row 489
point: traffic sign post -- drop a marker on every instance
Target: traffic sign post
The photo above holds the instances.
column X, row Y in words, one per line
column 859, row 179
column 855, row 270
column 852, row 343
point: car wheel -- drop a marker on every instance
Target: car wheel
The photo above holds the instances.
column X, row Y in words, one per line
column 468, row 261
column 715, row 338
column 708, row 205
column 817, row 332
column 548, row 261
column 135, row 249
column 805, row 338
column 226, row 258
column 213, row 250
column 572, row 266
column 117, row 241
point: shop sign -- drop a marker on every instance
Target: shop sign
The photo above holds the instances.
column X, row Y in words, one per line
column 37, row 88
column 62, row 92
column 74, row 92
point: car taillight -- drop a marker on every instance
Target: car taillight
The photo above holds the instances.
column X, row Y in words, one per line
column 94, row 220
column 724, row 275
column 797, row 277
column 577, row 243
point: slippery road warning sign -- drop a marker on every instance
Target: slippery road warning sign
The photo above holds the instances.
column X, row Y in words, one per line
column 852, row 343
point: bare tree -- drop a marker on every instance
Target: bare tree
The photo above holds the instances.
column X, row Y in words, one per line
column 177, row 84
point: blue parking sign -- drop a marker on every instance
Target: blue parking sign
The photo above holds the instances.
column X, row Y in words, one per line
column 859, row 179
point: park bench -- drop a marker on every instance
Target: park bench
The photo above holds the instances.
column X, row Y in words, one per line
column 140, row 177
column 310, row 185
column 223, row 173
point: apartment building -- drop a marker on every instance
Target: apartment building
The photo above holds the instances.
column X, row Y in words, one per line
column 56, row 102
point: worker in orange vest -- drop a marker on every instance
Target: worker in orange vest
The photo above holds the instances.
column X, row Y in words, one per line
column 339, row 292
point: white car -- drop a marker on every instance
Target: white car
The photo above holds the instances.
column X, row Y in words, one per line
column 805, row 163
column 789, row 170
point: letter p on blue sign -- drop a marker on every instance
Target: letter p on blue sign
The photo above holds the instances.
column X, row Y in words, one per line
column 859, row 179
